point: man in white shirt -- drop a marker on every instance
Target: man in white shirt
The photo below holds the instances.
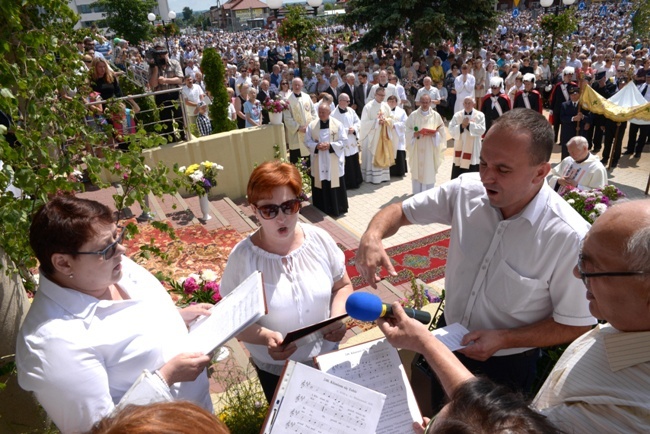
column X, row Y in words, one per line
column 505, row 283
column 601, row 382
column 430, row 90
column 402, row 100
column 191, row 69
column 581, row 169
column 192, row 96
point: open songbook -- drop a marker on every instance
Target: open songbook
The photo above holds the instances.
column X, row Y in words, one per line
column 308, row 400
column 236, row 311
column 377, row 366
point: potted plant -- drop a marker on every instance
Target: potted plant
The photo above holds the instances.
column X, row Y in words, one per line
column 200, row 178
column 275, row 107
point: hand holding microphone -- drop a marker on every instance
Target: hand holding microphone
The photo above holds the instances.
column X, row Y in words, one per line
column 364, row 306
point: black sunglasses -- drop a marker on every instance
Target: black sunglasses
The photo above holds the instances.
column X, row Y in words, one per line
column 110, row 250
column 290, row 207
column 585, row 276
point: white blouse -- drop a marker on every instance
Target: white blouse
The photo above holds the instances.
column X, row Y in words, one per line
column 298, row 289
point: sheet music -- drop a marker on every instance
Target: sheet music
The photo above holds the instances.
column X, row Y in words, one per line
column 236, row 311
column 377, row 366
column 309, row 401
column 451, row 335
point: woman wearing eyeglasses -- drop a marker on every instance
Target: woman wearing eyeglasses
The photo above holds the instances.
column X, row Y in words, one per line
column 303, row 271
column 98, row 321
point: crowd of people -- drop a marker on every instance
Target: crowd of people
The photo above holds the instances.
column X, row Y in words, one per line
column 520, row 259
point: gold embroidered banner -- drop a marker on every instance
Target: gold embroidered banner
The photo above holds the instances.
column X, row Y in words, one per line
column 595, row 103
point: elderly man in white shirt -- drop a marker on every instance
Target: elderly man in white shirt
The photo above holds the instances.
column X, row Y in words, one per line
column 430, row 90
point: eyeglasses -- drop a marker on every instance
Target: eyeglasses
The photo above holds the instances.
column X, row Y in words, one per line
column 284, row 82
column 586, row 276
column 269, row 212
column 110, row 250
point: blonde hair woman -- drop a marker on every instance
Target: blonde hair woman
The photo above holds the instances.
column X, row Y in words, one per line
column 103, row 79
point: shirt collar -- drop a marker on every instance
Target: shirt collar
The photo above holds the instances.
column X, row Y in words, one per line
column 625, row 349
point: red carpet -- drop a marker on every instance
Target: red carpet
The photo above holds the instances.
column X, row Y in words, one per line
column 425, row 258
column 194, row 249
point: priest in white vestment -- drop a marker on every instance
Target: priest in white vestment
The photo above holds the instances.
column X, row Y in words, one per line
column 351, row 122
column 390, row 88
column 375, row 114
column 326, row 139
column 581, row 169
column 467, row 128
column 300, row 113
column 465, row 85
column 426, row 141
column 398, row 137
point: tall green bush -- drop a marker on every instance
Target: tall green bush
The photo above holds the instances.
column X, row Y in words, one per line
column 215, row 77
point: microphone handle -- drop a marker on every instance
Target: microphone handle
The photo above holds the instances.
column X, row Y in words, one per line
column 418, row 315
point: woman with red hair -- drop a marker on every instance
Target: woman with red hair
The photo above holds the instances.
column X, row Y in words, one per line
column 302, row 268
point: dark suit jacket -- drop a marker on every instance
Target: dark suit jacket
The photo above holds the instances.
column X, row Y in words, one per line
column 261, row 96
column 360, row 98
column 346, row 90
column 231, row 83
column 569, row 129
column 334, row 93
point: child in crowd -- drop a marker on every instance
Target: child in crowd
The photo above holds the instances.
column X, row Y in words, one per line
column 202, row 120
column 253, row 110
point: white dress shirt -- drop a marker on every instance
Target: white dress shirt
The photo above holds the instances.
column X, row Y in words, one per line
column 79, row 355
column 503, row 274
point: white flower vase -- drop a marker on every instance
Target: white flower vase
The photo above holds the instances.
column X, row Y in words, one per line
column 275, row 118
column 205, row 206
column 221, row 354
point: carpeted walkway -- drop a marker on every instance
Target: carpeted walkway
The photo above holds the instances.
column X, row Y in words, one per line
column 424, row 258
column 194, row 249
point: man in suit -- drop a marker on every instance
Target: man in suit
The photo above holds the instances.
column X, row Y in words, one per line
column 570, row 116
column 560, row 95
column 333, row 89
column 348, row 89
column 262, row 95
column 361, row 93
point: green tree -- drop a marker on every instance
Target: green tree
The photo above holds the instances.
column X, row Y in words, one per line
column 128, row 18
column 43, row 90
column 215, row 74
column 557, row 26
column 297, row 26
column 641, row 18
column 187, row 13
column 428, row 22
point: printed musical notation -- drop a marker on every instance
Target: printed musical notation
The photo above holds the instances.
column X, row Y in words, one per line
column 315, row 402
column 377, row 366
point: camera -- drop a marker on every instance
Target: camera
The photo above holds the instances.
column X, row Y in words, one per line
column 154, row 57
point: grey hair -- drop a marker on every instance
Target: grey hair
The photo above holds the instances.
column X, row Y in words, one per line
column 638, row 249
column 578, row 140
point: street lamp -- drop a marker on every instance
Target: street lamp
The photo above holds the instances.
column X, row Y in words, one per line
column 547, row 4
column 316, row 4
column 275, row 6
column 171, row 15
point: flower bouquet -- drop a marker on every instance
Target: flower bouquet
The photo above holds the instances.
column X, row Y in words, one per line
column 197, row 288
column 201, row 177
column 276, row 105
column 591, row 204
